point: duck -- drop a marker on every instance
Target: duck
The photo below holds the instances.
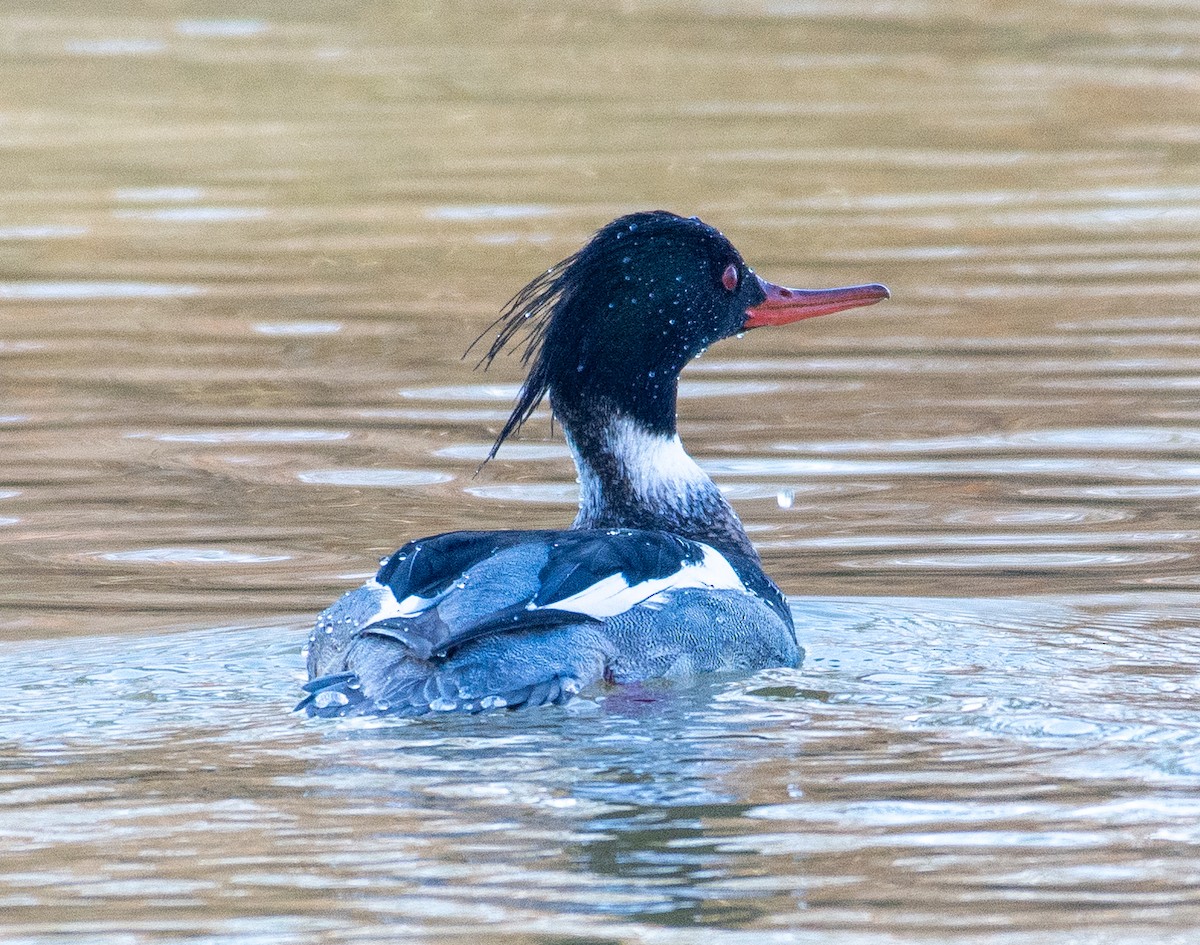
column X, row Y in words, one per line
column 656, row 577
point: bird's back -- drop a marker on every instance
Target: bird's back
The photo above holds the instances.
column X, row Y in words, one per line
column 473, row 620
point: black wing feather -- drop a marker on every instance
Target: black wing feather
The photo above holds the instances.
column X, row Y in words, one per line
column 581, row 559
column 511, row 620
column 430, row 565
column 576, row 561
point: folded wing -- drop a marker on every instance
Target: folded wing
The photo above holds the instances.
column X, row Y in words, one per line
column 416, row 637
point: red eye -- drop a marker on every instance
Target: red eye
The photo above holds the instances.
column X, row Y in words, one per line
column 729, row 278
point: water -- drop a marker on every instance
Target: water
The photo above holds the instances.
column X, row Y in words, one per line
column 241, row 254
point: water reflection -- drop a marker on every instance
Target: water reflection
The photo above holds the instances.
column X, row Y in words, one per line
column 190, row 556
column 485, row 212
column 249, row 436
column 45, row 231
column 373, row 478
column 298, row 328
column 63, row 291
column 222, row 28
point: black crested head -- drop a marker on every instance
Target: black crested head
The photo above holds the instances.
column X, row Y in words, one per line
column 611, row 327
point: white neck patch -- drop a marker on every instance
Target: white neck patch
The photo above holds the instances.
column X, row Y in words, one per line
column 657, row 468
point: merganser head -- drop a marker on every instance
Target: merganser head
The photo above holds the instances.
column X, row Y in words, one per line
column 611, row 327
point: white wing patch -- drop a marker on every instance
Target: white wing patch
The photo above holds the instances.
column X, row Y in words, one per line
column 389, row 607
column 614, row 595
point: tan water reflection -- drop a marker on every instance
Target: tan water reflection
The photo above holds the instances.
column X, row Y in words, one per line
column 241, row 253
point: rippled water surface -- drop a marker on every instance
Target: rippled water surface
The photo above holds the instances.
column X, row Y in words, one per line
column 242, row 248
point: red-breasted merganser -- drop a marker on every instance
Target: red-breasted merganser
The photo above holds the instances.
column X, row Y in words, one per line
column 656, row 577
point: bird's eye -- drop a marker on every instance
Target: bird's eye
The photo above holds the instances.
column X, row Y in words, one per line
column 729, row 278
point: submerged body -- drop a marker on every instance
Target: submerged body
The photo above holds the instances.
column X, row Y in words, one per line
column 656, row 578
